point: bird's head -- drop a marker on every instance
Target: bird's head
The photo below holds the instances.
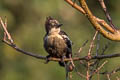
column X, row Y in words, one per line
column 52, row 25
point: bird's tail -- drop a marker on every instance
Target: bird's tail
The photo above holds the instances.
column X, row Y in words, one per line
column 61, row 63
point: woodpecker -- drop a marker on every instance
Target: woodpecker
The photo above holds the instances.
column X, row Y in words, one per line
column 56, row 42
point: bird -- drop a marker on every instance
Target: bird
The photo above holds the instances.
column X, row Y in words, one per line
column 56, row 42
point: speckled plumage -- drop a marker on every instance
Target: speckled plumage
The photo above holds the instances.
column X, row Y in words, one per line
column 56, row 42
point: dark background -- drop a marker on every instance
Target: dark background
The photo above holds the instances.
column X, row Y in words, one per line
column 26, row 20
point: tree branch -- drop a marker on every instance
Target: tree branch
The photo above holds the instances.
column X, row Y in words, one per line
column 106, row 13
column 12, row 44
column 110, row 33
column 24, row 52
column 66, row 59
column 80, row 9
column 89, row 15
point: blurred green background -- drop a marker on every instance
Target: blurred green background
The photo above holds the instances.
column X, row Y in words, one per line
column 26, row 20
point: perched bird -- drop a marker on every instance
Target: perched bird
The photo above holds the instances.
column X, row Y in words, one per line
column 56, row 42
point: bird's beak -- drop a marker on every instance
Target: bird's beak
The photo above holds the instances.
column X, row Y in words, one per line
column 59, row 25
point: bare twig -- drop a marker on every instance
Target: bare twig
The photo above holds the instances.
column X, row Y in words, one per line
column 9, row 41
column 11, row 44
column 98, row 24
column 98, row 27
column 80, row 74
column 98, row 43
column 98, row 69
column 24, row 52
column 89, row 56
column 108, row 77
column 5, row 30
column 92, row 43
column 112, row 72
column 74, row 5
column 81, row 48
column 66, row 59
column 80, row 9
column 104, row 48
column 106, row 13
column 5, row 35
column 88, row 71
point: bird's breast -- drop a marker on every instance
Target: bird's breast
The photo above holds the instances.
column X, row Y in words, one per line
column 55, row 40
column 55, row 45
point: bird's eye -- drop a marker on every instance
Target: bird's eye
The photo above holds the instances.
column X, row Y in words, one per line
column 53, row 23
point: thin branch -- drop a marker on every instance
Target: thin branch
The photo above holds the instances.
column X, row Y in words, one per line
column 89, row 15
column 24, row 52
column 89, row 56
column 74, row 5
column 5, row 30
column 98, row 44
column 99, row 24
column 5, row 35
column 81, row 48
column 92, row 43
column 105, row 48
column 80, row 74
column 108, row 77
column 66, row 59
column 98, row 69
column 112, row 72
column 11, row 44
column 80, row 9
column 107, row 13
column 88, row 71
column 104, row 24
column 9, row 41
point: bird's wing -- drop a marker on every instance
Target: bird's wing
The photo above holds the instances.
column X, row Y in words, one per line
column 66, row 38
column 45, row 40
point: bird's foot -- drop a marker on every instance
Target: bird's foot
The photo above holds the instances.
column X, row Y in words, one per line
column 62, row 60
column 47, row 59
column 71, row 60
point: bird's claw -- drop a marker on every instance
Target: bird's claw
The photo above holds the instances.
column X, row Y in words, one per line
column 47, row 59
